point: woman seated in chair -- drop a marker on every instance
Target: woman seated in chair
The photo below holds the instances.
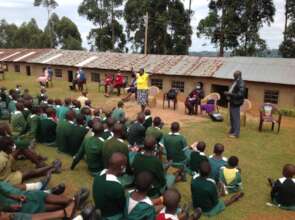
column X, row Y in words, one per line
column 119, row 82
column 108, row 82
column 132, row 88
column 194, row 99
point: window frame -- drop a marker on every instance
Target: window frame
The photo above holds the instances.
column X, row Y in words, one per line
column 58, row 73
column 158, row 84
column 94, row 75
column 177, row 85
column 17, row 68
column 271, row 96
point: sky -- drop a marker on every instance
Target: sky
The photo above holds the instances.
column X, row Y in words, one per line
column 19, row 11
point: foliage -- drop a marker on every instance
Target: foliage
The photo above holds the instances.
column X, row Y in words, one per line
column 168, row 30
column 7, row 34
column 46, row 3
column 106, row 14
column 288, row 112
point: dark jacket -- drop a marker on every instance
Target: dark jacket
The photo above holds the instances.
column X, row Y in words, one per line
column 238, row 94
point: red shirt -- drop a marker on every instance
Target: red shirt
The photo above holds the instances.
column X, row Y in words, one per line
column 119, row 80
column 108, row 80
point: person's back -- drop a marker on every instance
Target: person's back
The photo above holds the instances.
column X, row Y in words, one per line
column 155, row 132
column 118, row 114
column 75, row 137
column 113, row 145
column 216, row 164
column 136, row 134
column 46, row 132
column 196, row 159
column 174, row 144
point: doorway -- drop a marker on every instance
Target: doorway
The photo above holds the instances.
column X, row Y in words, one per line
column 70, row 76
column 28, row 70
column 220, row 89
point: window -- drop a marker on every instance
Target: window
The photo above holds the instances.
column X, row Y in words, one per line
column 58, row 73
column 178, row 85
column 271, row 96
column 17, row 68
column 95, row 77
column 157, row 82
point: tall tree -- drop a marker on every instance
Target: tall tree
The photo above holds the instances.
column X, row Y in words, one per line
column 105, row 14
column 287, row 47
column 7, row 34
column 222, row 25
column 168, row 30
column 49, row 5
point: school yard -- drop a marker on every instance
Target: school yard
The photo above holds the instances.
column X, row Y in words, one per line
column 261, row 155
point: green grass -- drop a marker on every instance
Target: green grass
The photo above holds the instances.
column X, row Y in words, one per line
column 261, row 155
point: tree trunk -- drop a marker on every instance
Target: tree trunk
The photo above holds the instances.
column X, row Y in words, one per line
column 113, row 26
column 221, row 39
column 286, row 19
column 189, row 22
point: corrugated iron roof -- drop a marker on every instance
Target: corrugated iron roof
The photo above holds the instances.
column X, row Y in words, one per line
column 21, row 55
column 267, row 70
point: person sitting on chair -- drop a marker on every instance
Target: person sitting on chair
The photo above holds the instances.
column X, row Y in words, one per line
column 119, row 82
column 194, row 99
column 132, row 88
column 108, row 82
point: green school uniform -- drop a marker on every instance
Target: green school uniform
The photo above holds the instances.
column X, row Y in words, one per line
column 46, row 132
column 109, row 196
column 62, row 111
column 107, row 134
column 174, row 144
column 75, row 135
column 21, row 216
column 155, row 132
column 18, row 123
column 148, row 121
column 35, row 200
column 139, row 210
column 113, row 145
column 12, row 106
column 33, row 121
column 233, row 185
column 118, row 114
column 215, row 167
column 196, row 159
column 154, row 165
column 136, row 134
column 91, row 147
column 61, row 137
column 205, row 196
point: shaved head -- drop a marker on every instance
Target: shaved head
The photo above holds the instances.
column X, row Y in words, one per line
column 117, row 163
column 149, row 143
column 289, row 170
column 172, row 198
column 97, row 128
column 205, row 169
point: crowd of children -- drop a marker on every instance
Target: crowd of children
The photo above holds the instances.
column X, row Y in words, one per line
column 134, row 164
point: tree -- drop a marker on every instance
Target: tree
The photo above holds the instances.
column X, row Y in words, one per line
column 169, row 29
column 106, row 14
column 222, row 25
column 49, row 5
column 7, row 34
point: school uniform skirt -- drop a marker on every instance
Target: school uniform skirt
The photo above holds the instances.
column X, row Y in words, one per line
column 142, row 96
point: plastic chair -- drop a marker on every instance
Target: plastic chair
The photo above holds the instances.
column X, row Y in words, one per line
column 246, row 107
column 269, row 113
column 212, row 96
column 153, row 92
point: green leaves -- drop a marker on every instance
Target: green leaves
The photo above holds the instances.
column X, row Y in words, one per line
column 46, row 3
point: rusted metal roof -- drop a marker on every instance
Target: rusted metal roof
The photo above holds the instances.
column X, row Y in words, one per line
column 21, row 55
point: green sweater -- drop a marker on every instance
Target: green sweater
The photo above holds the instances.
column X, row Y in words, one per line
column 113, row 145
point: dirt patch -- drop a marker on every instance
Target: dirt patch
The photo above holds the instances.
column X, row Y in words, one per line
column 271, row 216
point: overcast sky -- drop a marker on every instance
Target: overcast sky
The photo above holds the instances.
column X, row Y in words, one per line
column 18, row 11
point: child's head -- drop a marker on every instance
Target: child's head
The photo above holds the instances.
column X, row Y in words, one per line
column 43, row 91
column 172, row 199
column 97, row 128
column 50, row 112
column 233, row 161
column 80, row 119
column 289, row 171
column 70, row 115
column 218, row 149
column 141, row 117
column 147, row 112
column 118, row 130
column 68, row 101
column 201, row 146
column 110, row 123
column 76, row 104
column 120, row 104
column 175, row 127
column 50, row 101
column 20, row 106
column 143, row 181
column 88, row 103
column 149, row 143
column 205, row 169
column 58, row 102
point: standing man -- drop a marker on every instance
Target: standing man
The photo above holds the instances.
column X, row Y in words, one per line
column 142, row 79
column 236, row 96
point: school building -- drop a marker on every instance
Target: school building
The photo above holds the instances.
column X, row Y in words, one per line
column 267, row 79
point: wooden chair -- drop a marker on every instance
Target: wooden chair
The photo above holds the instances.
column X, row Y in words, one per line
column 165, row 98
column 153, row 93
column 212, row 96
column 269, row 113
column 245, row 108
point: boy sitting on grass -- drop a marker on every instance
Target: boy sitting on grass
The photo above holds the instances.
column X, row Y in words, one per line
column 217, row 161
column 205, row 194
column 283, row 189
column 197, row 157
column 230, row 176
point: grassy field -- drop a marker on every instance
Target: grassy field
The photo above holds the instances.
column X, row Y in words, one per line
column 261, row 155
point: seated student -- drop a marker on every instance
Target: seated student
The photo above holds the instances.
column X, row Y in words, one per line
column 148, row 120
column 119, row 82
column 147, row 161
column 132, row 88
column 194, row 99
column 108, row 82
column 118, row 114
column 217, row 161
column 136, row 132
column 155, row 130
column 92, row 149
column 36, row 201
column 46, row 131
column 108, row 128
column 197, row 157
column 12, row 100
column 83, row 98
column 76, row 106
column 62, row 110
column 57, row 105
column 42, row 97
column 175, row 145
column 171, row 210
column 230, row 176
column 283, row 189
column 139, row 206
column 108, row 192
column 18, row 121
column 75, row 135
column 87, row 113
column 205, row 195
column 18, row 90
column 8, row 174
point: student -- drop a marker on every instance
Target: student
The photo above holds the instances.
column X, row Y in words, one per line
column 148, row 120
column 46, row 132
column 155, row 130
column 230, row 176
column 33, row 121
column 197, row 157
column 132, row 88
column 139, row 206
column 217, row 161
column 76, row 106
column 18, row 121
column 171, row 210
column 118, row 114
column 108, row 192
column 205, row 195
column 92, row 149
column 62, row 110
column 136, row 132
column 42, row 97
column 107, row 133
column 283, row 189
column 147, row 161
column 83, row 98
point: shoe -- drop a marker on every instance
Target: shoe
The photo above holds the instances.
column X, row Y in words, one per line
column 59, row 189
column 45, row 181
column 57, row 164
column 197, row 214
column 82, row 196
column 232, row 136
column 90, row 213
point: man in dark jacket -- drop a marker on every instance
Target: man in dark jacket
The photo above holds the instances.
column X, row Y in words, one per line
column 236, row 96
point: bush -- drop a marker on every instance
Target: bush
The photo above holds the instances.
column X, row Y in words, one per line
column 288, row 112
